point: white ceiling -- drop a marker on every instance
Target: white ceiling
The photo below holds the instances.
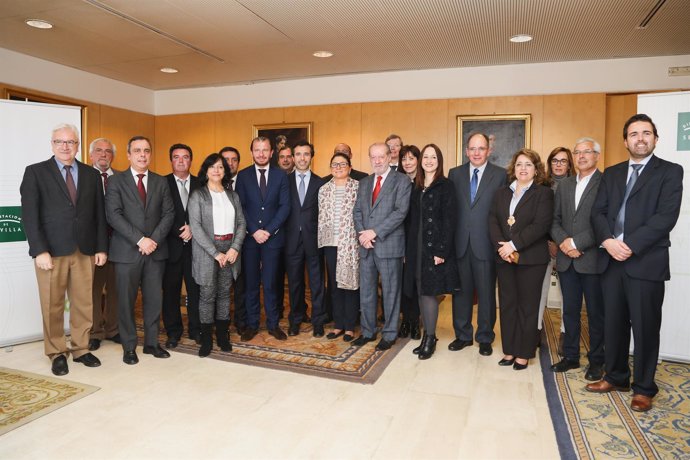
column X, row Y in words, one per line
column 225, row 42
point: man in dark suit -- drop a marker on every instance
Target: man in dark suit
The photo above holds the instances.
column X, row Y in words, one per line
column 232, row 156
column 286, row 162
column 346, row 150
column 102, row 151
column 301, row 248
column 382, row 203
column 265, row 197
column 394, row 143
column 64, row 221
column 179, row 263
column 475, row 183
column 636, row 208
column 140, row 210
column 576, row 260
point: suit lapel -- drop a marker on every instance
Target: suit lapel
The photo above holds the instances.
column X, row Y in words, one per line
column 387, row 185
column 526, row 197
column 647, row 172
column 131, row 182
column 593, row 181
column 483, row 184
column 57, row 175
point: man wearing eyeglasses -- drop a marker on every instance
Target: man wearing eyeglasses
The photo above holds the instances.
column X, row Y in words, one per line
column 576, row 260
column 394, row 143
column 475, row 183
column 102, row 151
column 346, row 150
column 64, row 221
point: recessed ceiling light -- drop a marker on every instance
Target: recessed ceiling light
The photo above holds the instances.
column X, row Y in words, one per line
column 38, row 23
column 323, row 54
column 169, row 70
column 521, row 38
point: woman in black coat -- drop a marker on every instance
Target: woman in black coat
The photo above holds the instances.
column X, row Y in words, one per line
column 430, row 243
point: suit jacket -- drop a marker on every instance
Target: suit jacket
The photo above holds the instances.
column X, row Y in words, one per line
column 386, row 216
column 181, row 217
column 651, row 213
column 569, row 222
column 51, row 222
column 530, row 232
column 268, row 214
column 303, row 216
column 131, row 221
column 204, row 252
column 472, row 228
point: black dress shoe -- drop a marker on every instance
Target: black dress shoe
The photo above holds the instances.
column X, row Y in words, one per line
column 278, row 333
column 248, row 334
column 334, row 335
column 156, row 351
column 415, row 333
column 171, row 342
column 59, row 366
column 506, row 362
column 595, row 372
column 88, row 360
column 566, row 364
column 293, row 330
column 318, row 331
column 130, row 357
column 457, row 344
column 94, row 344
column 404, row 331
column 384, row 344
column 520, row 367
column 361, row 340
column 116, row 338
column 485, row 349
column 347, row 338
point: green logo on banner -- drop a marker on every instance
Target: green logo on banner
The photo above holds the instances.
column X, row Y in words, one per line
column 11, row 228
column 683, row 131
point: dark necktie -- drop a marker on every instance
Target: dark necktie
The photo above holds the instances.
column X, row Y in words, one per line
column 377, row 189
column 262, row 184
column 232, row 184
column 140, row 187
column 473, row 184
column 620, row 218
column 71, row 187
column 105, row 181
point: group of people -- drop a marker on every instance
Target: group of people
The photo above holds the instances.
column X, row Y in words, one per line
column 405, row 230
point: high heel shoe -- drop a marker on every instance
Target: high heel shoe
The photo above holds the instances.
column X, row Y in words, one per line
column 506, row 362
column 421, row 345
column 428, row 347
column 520, row 367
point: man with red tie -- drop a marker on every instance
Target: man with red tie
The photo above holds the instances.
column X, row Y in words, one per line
column 64, row 221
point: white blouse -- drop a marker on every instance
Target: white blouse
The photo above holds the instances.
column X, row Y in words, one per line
column 223, row 213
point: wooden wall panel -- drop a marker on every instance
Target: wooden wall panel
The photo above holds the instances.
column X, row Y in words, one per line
column 196, row 130
column 120, row 125
column 619, row 107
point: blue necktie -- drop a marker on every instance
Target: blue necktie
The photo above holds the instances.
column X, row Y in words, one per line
column 620, row 219
column 473, row 184
column 301, row 189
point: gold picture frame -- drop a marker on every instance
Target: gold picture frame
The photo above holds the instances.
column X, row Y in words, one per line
column 294, row 132
column 507, row 134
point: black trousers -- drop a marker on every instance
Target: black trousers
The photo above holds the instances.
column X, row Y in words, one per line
column 296, row 262
column 519, row 292
column 175, row 272
column 632, row 303
column 345, row 301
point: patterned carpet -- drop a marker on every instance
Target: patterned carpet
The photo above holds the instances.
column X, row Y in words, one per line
column 25, row 396
column 594, row 426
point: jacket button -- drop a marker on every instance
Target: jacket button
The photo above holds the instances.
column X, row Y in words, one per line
column 430, row 219
column 260, row 222
column 429, row 244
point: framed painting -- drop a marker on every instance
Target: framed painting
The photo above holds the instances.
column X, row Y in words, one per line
column 290, row 133
column 507, row 134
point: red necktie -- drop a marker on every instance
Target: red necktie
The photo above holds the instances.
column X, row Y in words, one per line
column 377, row 189
column 140, row 187
column 71, row 187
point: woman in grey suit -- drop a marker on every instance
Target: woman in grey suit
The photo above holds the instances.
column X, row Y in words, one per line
column 218, row 229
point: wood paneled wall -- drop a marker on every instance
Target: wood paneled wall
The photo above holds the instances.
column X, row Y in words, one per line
column 556, row 120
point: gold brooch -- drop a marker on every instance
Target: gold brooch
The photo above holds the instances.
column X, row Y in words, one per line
column 511, row 220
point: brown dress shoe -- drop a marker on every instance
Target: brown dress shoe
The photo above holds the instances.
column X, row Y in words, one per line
column 602, row 386
column 641, row 403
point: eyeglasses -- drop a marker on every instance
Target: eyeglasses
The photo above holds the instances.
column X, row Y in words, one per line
column 339, row 165
column 584, row 152
column 477, row 149
column 556, row 161
column 59, row 142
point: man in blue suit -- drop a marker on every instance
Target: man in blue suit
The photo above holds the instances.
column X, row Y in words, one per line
column 636, row 208
column 265, row 198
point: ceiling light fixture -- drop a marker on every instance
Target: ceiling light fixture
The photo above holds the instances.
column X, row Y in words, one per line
column 38, row 23
column 322, row 54
column 521, row 38
column 169, row 70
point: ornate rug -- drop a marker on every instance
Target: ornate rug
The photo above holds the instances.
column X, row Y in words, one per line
column 595, row 426
column 25, row 396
